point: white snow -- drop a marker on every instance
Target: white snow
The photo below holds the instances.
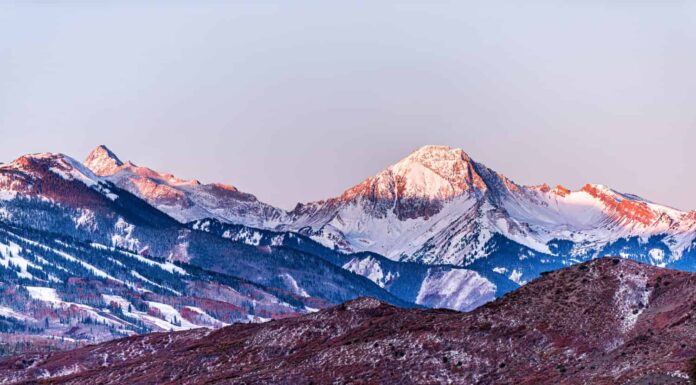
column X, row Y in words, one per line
column 11, row 256
column 529, row 215
column 516, row 277
column 86, row 220
column 45, row 294
column 73, row 175
column 171, row 315
column 370, row 268
column 168, row 312
column 11, row 313
column 123, row 236
column 144, row 279
column 187, row 200
column 657, row 257
column 166, row 266
column 97, row 272
column 120, row 301
column 291, row 283
column 457, row 289
column 628, row 298
column 6, row 195
column 205, row 317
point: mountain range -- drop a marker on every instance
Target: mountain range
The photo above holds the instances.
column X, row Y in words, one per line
column 104, row 248
column 438, row 206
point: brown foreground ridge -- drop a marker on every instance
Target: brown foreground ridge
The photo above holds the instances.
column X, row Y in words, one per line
column 607, row 321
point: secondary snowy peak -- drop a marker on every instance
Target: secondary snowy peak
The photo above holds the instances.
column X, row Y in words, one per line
column 183, row 199
column 632, row 208
column 103, row 161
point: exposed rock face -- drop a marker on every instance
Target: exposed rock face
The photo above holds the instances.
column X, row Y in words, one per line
column 608, row 321
column 417, row 186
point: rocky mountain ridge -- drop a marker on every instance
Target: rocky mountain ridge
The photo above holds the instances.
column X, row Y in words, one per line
column 439, row 206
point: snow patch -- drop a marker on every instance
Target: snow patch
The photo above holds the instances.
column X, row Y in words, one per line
column 371, row 269
column 516, row 277
column 457, row 289
column 172, row 316
column 123, row 236
column 11, row 257
column 11, row 313
column 657, row 257
column 45, row 294
column 292, row 285
column 631, row 298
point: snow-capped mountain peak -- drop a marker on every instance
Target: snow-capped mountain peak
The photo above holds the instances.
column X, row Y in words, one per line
column 430, row 173
column 438, row 205
column 42, row 174
column 103, row 161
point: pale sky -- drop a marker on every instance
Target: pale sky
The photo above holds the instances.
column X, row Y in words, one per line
column 297, row 101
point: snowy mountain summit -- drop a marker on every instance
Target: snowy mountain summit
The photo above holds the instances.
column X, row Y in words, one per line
column 102, row 161
column 438, row 205
column 431, row 173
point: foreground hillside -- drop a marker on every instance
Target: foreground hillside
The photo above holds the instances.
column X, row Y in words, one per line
column 607, row 321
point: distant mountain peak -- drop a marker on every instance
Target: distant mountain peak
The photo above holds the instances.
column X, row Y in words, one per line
column 102, row 161
column 437, row 156
column 430, row 173
column 185, row 200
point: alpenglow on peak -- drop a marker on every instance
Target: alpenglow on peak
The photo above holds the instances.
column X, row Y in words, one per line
column 102, row 161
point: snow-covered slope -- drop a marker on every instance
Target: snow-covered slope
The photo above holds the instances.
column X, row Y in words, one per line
column 450, row 287
column 438, row 206
column 62, row 293
column 184, row 200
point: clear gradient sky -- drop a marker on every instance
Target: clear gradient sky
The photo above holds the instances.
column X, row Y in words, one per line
column 297, row 101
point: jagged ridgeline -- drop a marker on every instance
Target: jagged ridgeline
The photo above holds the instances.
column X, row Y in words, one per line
column 439, row 206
